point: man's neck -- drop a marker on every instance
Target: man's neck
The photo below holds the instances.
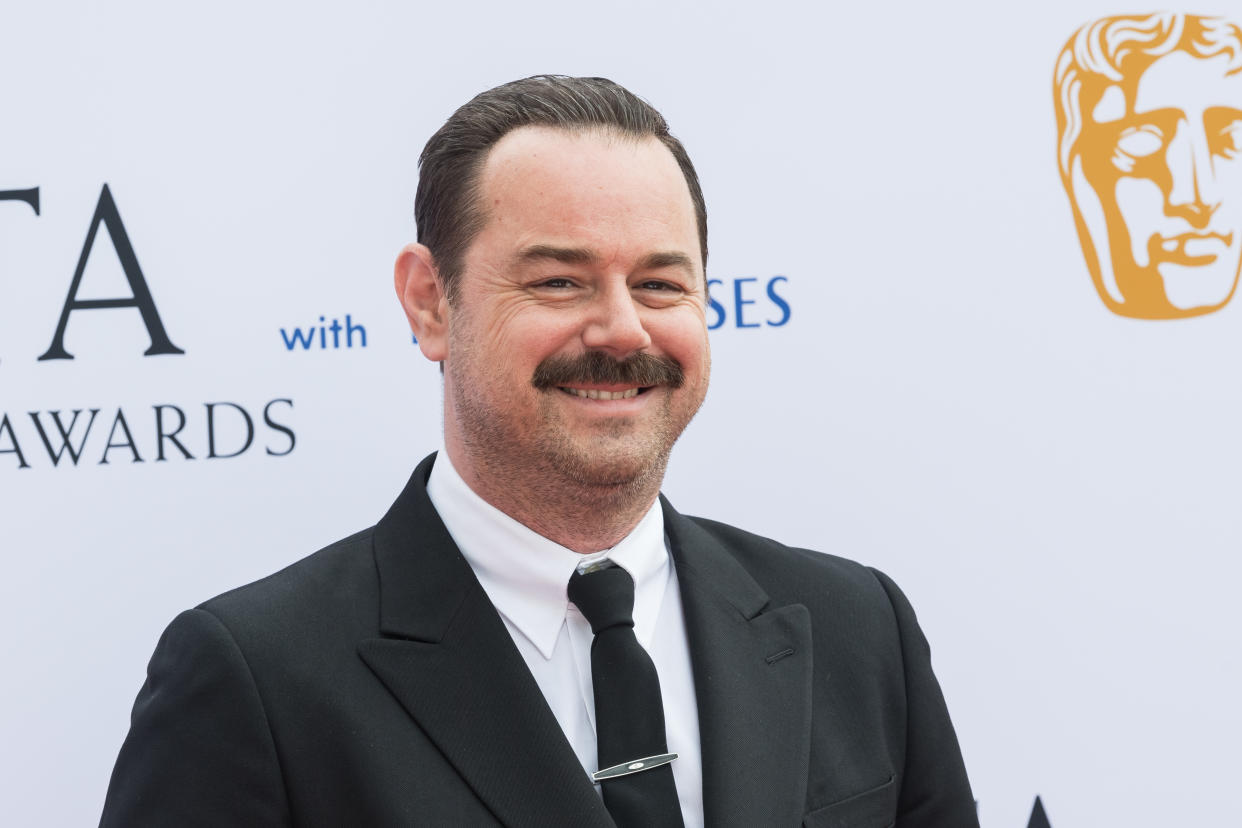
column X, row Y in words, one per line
column 590, row 519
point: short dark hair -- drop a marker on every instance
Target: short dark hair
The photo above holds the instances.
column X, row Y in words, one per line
column 446, row 208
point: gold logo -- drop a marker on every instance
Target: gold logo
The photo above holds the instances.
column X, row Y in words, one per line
column 1149, row 121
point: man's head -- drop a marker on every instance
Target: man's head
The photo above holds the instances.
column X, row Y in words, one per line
column 560, row 283
column 447, row 208
column 1149, row 113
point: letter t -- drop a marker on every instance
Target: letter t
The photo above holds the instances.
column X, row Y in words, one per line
column 30, row 196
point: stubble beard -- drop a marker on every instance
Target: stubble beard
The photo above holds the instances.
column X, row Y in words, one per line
column 616, row 461
column 547, row 466
column 548, row 462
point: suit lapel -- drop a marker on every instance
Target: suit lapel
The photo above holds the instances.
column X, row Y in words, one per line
column 446, row 656
column 752, row 673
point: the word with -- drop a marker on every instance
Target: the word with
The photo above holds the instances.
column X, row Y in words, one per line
column 306, row 338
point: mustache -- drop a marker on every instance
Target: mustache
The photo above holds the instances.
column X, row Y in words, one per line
column 597, row 368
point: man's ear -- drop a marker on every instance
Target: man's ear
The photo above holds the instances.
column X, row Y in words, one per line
column 418, row 287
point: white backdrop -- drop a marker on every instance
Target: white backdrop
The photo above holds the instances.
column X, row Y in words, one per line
column 1055, row 487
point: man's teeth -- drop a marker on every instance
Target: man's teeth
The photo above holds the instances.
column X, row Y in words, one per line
column 595, row 394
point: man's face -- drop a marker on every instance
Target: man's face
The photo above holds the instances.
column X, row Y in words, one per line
column 1163, row 154
column 589, row 249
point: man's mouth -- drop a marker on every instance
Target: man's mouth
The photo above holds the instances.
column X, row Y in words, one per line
column 1191, row 249
column 601, row 394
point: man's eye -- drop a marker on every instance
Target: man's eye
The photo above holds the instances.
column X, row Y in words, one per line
column 558, row 282
column 655, row 284
column 1228, row 141
column 1141, row 141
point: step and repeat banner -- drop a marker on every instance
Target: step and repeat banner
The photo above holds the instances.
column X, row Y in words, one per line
column 973, row 316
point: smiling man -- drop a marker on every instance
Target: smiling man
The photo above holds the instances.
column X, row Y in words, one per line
column 532, row 635
column 575, row 345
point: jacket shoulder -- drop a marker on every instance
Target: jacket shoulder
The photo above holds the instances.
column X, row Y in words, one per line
column 791, row 573
column 327, row 593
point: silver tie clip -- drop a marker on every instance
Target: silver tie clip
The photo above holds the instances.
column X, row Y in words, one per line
column 636, row 766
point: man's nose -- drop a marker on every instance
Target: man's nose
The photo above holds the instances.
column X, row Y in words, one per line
column 614, row 323
column 1193, row 193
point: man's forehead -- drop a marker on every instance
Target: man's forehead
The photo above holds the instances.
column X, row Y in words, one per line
column 573, row 155
column 1180, row 80
column 543, row 183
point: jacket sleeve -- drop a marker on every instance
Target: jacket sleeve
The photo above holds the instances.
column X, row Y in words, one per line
column 935, row 792
column 199, row 750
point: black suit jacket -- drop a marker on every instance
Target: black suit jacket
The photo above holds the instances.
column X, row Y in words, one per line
column 374, row 684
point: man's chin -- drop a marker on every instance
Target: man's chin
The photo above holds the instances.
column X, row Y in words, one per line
column 609, row 464
column 1190, row 287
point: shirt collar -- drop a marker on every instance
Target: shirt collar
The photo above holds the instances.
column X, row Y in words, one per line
column 525, row 574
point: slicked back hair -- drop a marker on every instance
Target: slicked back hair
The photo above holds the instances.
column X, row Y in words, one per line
column 447, row 208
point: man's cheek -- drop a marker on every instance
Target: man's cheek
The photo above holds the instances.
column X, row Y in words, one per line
column 1228, row 215
column 1141, row 205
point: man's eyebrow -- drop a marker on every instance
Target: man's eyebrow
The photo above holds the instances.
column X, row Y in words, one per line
column 1159, row 111
column 586, row 256
column 655, row 261
column 564, row 255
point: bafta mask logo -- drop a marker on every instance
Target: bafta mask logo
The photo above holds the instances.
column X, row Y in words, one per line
column 1149, row 120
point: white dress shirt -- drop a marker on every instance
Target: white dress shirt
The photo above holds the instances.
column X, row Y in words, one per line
column 525, row 575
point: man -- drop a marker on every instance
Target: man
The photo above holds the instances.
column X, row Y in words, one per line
column 1149, row 110
column 440, row 667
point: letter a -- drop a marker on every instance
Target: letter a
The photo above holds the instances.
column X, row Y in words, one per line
column 107, row 215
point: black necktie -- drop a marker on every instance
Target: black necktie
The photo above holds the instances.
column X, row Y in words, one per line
column 637, row 778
